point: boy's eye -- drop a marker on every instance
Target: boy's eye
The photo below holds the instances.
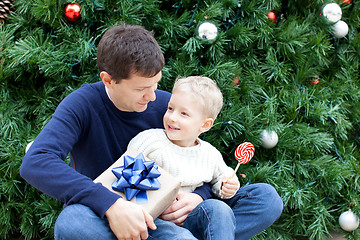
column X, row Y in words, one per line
column 170, row 108
column 184, row 113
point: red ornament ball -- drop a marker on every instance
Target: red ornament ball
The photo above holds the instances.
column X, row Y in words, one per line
column 72, row 12
column 272, row 16
column 315, row 81
column 347, row 1
column 236, row 81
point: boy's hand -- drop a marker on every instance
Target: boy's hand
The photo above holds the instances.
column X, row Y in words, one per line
column 178, row 211
column 229, row 186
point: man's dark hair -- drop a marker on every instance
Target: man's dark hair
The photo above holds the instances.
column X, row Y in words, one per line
column 129, row 49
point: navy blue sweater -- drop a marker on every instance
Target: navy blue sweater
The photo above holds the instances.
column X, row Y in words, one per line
column 87, row 125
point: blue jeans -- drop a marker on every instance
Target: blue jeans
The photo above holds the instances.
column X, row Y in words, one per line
column 253, row 208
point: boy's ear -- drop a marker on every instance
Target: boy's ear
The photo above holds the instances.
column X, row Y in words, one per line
column 207, row 125
column 106, row 78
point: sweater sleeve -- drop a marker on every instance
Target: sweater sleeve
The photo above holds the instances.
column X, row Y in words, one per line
column 204, row 191
column 43, row 165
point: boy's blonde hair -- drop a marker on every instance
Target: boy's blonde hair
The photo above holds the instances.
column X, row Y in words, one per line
column 205, row 90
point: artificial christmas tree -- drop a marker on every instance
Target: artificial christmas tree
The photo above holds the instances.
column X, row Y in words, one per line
column 266, row 70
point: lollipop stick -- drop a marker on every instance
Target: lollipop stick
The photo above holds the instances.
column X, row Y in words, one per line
column 237, row 167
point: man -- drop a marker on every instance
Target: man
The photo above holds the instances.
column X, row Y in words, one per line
column 94, row 124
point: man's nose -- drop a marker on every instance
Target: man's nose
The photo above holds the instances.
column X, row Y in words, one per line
column 150, row 94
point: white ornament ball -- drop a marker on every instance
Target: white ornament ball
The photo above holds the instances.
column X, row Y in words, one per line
column 340, row 29
column 348, row 221
column 207, row 31
column 269, row 139
column 332, row 12
column 28, row 146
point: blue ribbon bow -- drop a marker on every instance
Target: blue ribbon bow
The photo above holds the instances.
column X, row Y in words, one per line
column 135, row 177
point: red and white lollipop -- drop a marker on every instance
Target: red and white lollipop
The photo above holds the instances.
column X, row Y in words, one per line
column 244, row 153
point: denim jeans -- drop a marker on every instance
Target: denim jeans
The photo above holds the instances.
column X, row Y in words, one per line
column 253, row 208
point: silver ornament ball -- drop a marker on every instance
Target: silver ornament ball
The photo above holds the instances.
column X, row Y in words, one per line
column 348, row 221
column 332, row 12
column 269, row 139
column 207, row 31
column 340, row 29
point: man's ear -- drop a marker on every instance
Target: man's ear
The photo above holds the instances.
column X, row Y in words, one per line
column 106, row 79
column 207, row 125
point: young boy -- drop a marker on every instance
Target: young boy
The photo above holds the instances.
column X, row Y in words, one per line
column 193, row 107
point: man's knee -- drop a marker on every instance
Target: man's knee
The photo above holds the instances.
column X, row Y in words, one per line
column 273, row 204
column 77, row 222
column 65, row 223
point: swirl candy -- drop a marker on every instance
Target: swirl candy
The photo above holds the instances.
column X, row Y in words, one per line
column 244, row 152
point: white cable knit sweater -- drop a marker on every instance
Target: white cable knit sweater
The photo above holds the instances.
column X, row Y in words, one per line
column 193, row 166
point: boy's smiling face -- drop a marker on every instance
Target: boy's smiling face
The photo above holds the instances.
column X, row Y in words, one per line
column 184, row 120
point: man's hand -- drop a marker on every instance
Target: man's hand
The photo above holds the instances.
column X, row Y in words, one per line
column 129, row 221
column 229, row 186
column 178, row 211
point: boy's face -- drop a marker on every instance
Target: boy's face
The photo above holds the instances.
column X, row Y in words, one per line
column 184, row 119
column 134, row 94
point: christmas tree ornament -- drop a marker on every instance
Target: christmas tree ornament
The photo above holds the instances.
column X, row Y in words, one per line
column 347, row 1
column 340, row 29
column 72, row 12
column 272, row 16
column 5, row 8
column 236, row 81
column 315, row 81
column 269, row 139
column 348, row 221
column 207, row 31
column 331, row 12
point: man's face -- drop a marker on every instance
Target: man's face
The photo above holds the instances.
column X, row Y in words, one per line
column 134, row 94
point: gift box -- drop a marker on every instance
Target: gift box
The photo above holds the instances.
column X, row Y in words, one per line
column 157, row 200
